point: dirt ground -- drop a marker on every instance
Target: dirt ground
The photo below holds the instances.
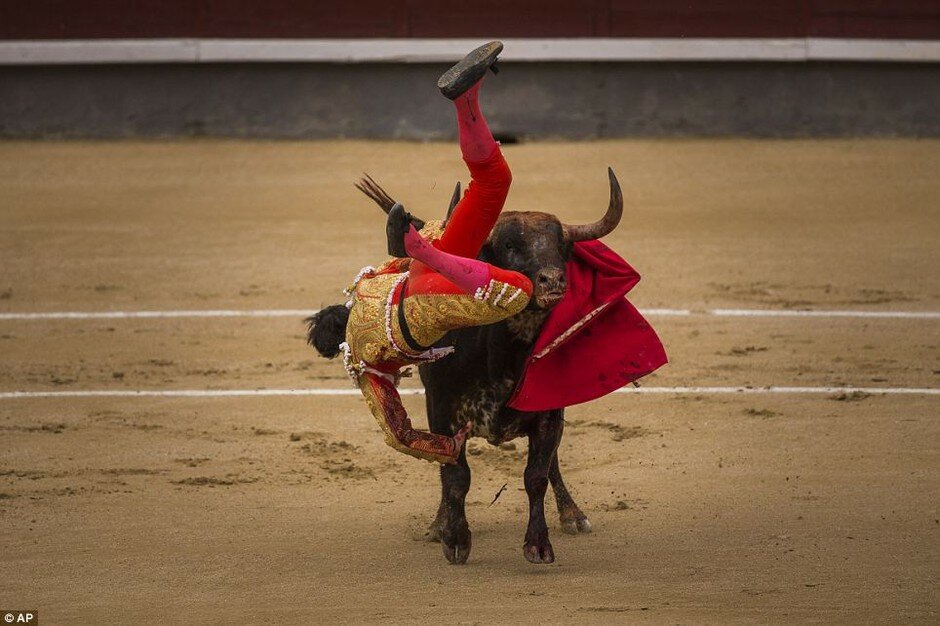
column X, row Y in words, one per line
column 706, row 508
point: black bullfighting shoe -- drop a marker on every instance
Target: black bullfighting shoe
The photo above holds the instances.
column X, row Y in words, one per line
column 399, row 220
column 469, row 70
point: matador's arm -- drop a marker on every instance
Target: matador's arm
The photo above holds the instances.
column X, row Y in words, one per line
column 385, row 403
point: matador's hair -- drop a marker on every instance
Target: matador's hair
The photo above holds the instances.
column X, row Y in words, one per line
column 327, row 329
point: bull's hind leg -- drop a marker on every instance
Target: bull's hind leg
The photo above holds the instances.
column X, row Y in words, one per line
column 543, row 442
column 573, row 521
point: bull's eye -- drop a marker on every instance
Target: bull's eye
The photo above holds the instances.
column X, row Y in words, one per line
column 509, row 247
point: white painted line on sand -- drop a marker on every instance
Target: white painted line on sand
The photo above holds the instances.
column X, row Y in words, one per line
column 230, row 393
column 299, row 313
column 666, row 312
column 188, row 393
column 110, row 315
column 790, row 313
column 784, row 390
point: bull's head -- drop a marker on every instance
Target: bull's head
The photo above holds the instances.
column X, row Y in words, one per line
column 531, row 242
column 539, row 245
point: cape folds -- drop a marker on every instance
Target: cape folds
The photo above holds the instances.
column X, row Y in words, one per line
column 594, row 341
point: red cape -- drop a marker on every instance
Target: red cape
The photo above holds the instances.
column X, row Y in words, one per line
column 594, row 341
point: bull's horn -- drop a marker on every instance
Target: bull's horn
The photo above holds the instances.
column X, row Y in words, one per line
column 454, row 199
column 606, row 224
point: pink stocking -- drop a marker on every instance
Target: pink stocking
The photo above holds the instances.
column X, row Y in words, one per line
column 476, row 140
column 468, row 274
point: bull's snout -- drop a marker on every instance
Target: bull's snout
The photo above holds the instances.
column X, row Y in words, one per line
column 550, row 287
column 551, row 280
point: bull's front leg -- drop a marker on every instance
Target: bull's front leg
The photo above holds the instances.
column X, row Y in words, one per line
column 544, row 437
column 455, row 531
column 436, row 528
column 450, row 525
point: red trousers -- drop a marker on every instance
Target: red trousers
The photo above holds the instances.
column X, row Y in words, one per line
column 468, row 228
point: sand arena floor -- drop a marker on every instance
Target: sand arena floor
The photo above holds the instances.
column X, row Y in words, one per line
column 706, row 507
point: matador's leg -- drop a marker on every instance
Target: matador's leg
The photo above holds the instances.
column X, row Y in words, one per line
column 473, row 217
column 476, row 213
column 449, row 267
column 461, row 83
column 468, row 274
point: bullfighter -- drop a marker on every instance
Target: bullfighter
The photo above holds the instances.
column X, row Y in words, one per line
column 397, row 311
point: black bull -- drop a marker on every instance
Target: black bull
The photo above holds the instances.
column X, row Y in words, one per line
column 476, row 382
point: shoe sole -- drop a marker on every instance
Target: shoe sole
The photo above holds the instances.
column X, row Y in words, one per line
column 469, row 70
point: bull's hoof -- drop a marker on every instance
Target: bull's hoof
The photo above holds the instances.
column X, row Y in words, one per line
column 576, row 525
column 539, row 553
column 456, row 545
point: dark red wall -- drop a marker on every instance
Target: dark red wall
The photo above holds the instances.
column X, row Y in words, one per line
column 80, row 19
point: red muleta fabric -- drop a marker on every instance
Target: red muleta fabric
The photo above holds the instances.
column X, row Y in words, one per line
column 611, row 349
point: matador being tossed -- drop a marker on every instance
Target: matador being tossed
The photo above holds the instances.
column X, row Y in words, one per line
column 434, row 283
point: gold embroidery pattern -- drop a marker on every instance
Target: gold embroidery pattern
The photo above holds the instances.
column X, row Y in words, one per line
column 365, row 330
column 432, row 230
column 429, row 317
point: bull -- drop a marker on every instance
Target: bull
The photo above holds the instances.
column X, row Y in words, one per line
column 477, row 381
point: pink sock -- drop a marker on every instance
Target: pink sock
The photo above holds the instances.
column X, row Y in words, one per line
column 476, row 140
column 468, row 274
